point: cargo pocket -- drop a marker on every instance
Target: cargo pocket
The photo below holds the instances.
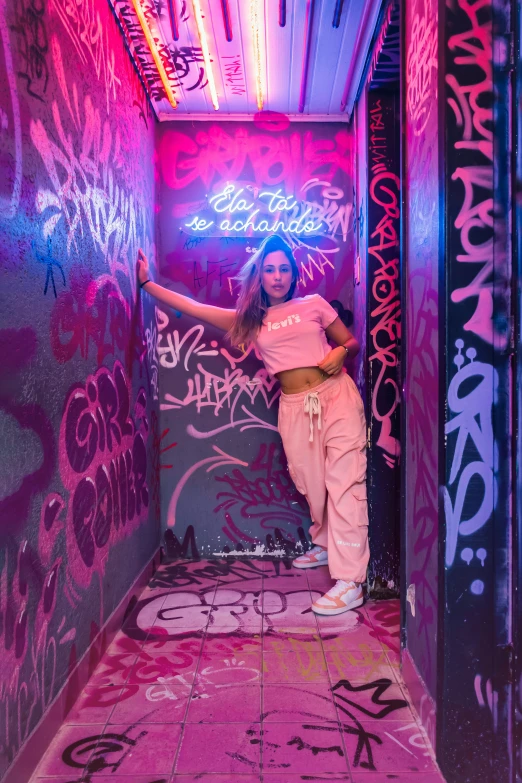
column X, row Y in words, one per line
column 361, row 503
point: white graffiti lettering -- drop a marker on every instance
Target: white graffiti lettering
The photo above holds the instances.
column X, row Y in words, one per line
column 473, row 419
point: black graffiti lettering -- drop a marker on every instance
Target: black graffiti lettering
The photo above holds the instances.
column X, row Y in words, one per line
column 364, row 739
column 187, row 548
column 379, row 687
column 315, row 749
column 33, row 46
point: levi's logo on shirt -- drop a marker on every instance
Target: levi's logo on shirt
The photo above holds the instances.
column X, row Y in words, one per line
column 289, row 321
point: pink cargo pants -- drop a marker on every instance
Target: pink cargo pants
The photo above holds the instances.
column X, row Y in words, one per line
column 324, row 437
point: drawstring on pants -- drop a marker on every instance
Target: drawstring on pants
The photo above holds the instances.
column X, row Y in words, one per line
column 312, row 405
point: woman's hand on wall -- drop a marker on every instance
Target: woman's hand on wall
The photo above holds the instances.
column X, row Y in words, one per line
column 333, row 362
column 143, row 267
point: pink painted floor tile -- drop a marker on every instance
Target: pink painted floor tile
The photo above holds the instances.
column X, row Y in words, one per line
column 191, row 645
column 150, row 665
column 156, row 636
column 227, row 703
column 396, row 777
column 285, row 777
column 210, row 778
column 244, row 623
column 378, row 700
column 249, row 588
column 113, row 670
column 94, row 705
column 385, row 618
column 363, row 665
column 284, row 585
column 280, row 600
column 294, row 621
column 122, row 643
column 163, row 702
column 275, row 642
column 382, row 612
column 231, row 644
column 347, row 632
column 146, row 749
column 287, row 615
column 294, row 702
column 111, row 779
column 391, row 746
column 310, row 748
column 294, row 667
column 226, row 748
column 319, row 578
column 70, row 751
column 238, row 668
column 177, row 609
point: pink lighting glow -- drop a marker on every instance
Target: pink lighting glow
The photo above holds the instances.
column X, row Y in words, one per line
column 258, row 60
column 198, row 16
column 157, row 59
column 306, row 55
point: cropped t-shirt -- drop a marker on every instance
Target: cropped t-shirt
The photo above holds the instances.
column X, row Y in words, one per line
column 292, row 334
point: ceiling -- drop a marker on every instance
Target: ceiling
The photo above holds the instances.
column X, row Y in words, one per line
column 246, row 56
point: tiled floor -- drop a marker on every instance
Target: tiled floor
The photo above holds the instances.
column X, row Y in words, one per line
column 223, row 674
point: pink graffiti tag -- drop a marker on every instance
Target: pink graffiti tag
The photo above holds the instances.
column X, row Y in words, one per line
column 385, row 318
column 103, row 465
column 471, row 106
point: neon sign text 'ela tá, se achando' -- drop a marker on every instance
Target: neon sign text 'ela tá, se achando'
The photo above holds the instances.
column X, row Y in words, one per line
column 231, row 202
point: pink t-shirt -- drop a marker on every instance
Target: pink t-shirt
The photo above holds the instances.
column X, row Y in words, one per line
column 292, row 334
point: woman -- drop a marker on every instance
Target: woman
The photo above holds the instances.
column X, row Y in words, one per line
column 321, row 415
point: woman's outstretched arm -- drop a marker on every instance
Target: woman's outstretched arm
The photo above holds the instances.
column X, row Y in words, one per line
column 217, row 316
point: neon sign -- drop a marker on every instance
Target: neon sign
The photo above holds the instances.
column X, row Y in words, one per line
column 266, row 213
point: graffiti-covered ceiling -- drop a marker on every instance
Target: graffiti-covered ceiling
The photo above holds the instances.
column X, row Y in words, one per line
column 235, row 58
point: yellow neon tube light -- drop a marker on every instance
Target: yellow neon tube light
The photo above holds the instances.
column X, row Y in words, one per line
column 154, row 52
column 256, row 36
column 198, row 16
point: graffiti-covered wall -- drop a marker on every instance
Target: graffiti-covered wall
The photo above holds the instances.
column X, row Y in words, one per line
column 79, row 493
column 477, row 428
column 422, row 348
column 360, row 291
column 384, row 330
column 225, row 484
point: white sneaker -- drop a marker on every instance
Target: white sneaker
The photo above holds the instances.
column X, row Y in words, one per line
column 342, row 597
column 317, row 556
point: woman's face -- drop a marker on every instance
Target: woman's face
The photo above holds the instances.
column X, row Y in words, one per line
column 276, row 277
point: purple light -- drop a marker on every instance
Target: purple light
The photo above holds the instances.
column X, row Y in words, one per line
column 282, row 13
column 226, row 19
column 336, row 21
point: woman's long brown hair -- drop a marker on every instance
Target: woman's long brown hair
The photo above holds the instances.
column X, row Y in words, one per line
column 252, row 301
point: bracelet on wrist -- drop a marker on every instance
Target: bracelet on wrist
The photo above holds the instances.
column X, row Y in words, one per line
column 145, row 282
column 346, row 349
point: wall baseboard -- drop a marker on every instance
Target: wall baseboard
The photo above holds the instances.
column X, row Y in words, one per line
column 37, row 743
column 421, row 699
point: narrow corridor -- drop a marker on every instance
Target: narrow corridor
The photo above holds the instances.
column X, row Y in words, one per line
column 222, row 673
